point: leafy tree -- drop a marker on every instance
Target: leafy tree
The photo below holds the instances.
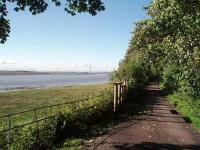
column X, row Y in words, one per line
column 39, row 6
column 168, row 43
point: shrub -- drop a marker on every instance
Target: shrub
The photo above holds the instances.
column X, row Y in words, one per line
column 134, row 70
column 170, row 80
column 188, row 106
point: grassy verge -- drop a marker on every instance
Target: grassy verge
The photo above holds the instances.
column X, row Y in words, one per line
column 188, row 106
column 21, row 100
column 133, row 107
column 72, row 144
column 65, row 122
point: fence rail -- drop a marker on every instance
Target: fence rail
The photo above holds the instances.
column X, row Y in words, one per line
column 120, row 90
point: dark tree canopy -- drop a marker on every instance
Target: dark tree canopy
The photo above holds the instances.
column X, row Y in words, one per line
column 39, row 6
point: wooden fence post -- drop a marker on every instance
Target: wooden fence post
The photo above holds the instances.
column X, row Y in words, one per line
column 8, row 132
column 115, row 96
column 119, row 93
column 122, row 93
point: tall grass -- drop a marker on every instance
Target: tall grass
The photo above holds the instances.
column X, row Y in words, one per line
column 65, row 121
column 20, row 100
column 188, row 106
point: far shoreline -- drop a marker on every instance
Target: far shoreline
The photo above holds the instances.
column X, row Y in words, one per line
column 48, row 87
column 16, row 73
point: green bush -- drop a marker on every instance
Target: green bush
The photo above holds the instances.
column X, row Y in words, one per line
column 169, row 78
column 166, row 44
column 134, row 70
column 188, row 106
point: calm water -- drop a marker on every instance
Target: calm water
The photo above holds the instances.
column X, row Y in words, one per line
column 35, row 81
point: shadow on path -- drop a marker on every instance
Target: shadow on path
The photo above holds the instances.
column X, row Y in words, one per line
column 155, row 146
column 148, row 122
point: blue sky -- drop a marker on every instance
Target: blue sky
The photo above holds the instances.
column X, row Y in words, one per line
column 56, row 41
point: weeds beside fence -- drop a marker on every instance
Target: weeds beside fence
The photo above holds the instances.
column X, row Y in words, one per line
column 44, row 127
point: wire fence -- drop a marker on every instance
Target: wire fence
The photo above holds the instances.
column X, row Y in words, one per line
column 8, row 125
column 33, row 119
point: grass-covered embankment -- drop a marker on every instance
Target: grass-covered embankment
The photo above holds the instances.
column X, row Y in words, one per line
column 20, row 100
column 188, row 106
column 66, row 122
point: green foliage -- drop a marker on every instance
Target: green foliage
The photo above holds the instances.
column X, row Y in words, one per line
column 39, row 6
column 168, row 45
column 177, row 28
column 20, row 100
column 72, row 144
column 188, row 106
column 133, row 70
column 170, row 81
column 64, row 122
column 136, row 67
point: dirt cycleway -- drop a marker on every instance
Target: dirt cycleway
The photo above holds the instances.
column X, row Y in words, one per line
column 157, row 127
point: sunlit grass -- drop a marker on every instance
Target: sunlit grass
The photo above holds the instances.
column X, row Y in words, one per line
column 72, row 144
column 72, row 119
column 15, row 101
column 187, row 106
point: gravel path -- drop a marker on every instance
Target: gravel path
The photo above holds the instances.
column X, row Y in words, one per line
column 160, row 127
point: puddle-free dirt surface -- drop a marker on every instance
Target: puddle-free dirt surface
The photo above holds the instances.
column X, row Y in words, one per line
column 158, row 127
